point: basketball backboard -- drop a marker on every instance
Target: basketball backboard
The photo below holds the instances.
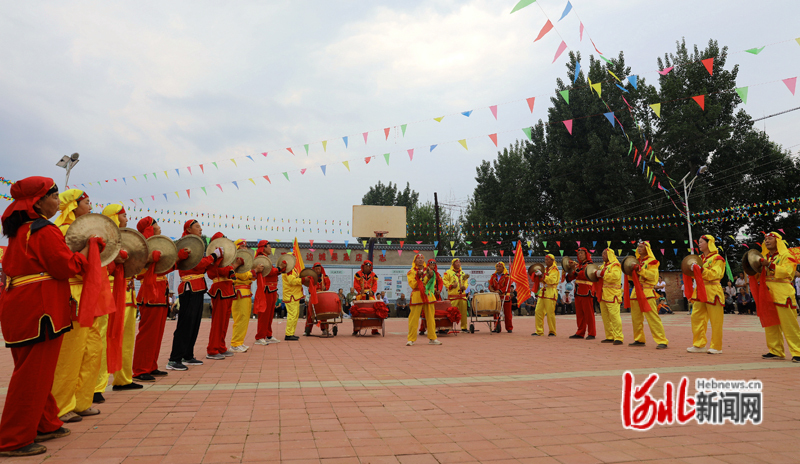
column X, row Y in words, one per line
column 369, row 220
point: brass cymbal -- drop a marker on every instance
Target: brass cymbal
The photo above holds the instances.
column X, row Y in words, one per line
column 566, row 264
column 228, row 250
column 169, row 254
column 196, row 250
column 628, row 265
column 95, row 224
column 134, row 243
column 286, row 263
column 308, row 272
column 265, row 261
column 247, row 255
column 751, row 262
column 591, row 272
column 688, row 262
column 536, row 266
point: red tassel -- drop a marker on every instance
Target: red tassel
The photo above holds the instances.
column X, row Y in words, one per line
column 687, row 287
column 765, row 306
column 536, row 281
column 96, row 294
column 260, row 303
column 312, row 293
column 147, row 291
column 640, row 298
column 626, row 293
column 701, row 285
column 116, row 322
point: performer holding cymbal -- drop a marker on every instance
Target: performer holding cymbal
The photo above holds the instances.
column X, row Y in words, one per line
column 500, row 283
column 608, row 291
column 546, row 296
column 584, row 303
column 266, row 308
column 222, row 294
column 708, row 298
column 242, row 303
column 437, row 289
column 644, row 278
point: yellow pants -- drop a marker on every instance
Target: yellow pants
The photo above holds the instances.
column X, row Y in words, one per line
column 545, row 307
column 462, row 308
column 124, row 376
column 788, row 328
column 102, row 374
column 612, row 323
column 90, row 365
column 241, row 319
column 292, row 313
column 701, row 313
column 656, row 327
column 413, row 321
column 68, row 367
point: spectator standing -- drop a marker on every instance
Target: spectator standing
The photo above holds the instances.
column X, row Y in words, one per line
column 797, row 290
column 351, row 297
column 741, row 282
column 661, row 287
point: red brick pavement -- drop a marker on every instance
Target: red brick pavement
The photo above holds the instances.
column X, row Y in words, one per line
column 477, row 398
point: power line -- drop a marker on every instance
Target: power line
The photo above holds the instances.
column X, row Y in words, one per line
column 776, row 114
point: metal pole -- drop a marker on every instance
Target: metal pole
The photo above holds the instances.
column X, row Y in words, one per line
column 438, row 234
column 69, row 168
column 688, row 216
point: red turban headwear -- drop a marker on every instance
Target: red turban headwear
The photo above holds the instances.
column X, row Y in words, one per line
column 262, row 245
column 145, row 226
column 217, row 235
column 26, row 193
column 588, row 255
column 186, row 226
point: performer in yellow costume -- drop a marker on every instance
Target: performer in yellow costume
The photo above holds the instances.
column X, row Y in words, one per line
column 643, row 298
column 123, row 378
column 547, row 295
column 775, row 286
column 422, row 298
column 608, row 289
column 79, row 358
column 708, row 299
column 242, row 305
column 292, row 294
column 456, row 282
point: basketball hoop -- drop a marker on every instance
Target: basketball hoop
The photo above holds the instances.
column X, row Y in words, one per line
column 380, row 233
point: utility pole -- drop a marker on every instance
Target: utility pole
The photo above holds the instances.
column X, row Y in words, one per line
column 438, row 231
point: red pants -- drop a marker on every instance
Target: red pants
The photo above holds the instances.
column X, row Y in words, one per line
column 220, row 316
column 152, row 320
column 265, row 318
column 584, row 312
column 508, row 316
column 310, row 320
column 30, row 407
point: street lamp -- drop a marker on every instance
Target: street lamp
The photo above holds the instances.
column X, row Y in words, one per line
column 68, row 162
column 687, row 188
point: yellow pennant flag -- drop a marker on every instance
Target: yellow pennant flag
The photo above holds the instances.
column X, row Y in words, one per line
column 439, row 119
column 165, row 174
column 251, row 180
column 324, row 145
column 234, row 162
column 597, row 88
column 615, row 76
column 176, row 194
column 453, row 252
column 463, row 143
column 609, row 244
column 347, row 165
column 657, row 108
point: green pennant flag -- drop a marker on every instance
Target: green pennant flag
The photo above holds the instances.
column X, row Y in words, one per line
column 306, row 147
column 562, row 252
column 742, row 91
column 521, row 4
column 606, row 59
column 386, row 157
column 565, row 95
column 435, row 252
column 140, row 199
column 755, row 51
column 215, row 164
column 544, row 243
column 403, row 128
column 286, row 175
column 527, row 131
column 204, row 190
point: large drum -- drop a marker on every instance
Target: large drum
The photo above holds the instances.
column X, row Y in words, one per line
column 440, row 306
column 328, row 306
column 486, row 304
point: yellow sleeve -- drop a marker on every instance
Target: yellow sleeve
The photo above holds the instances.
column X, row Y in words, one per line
column 245, row 276
column 292, row 279
column 714, row 270
column 449, row 278
column 649, row 273
column 412, row 280
column 784, row 267
column 613, row 275
column 552, row 277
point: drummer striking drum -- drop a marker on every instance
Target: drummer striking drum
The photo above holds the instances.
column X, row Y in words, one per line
column 323, row 284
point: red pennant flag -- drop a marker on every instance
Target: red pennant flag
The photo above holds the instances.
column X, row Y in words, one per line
column 709, row 64
column 188, row 194
column 290, row 151
column 201, row 169
column 501, row 251
column 386, row 131
column 545, row 29
column 519, row 274
column 401, row 243
column 701, row 100
column 530, row 102
column 558, row 243
column 267, row 178
column 494, row 138
column 367, row 159
column 595, row 46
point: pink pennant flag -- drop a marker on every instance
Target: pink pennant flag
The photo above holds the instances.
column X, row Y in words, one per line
column 530, row 102
column 791, row 83
column 579, row 244
column 494, row 138
column 411, row 154
column 365, row 137
column 265, row 154
column 386, row 131
column 494, row 111
column 560, row 50
column 581, row 31
column 220, row 188
column 153, row 197
column 568, row 123
column 290, row 151
column 399, row 252
column 545, row 29
column 485, row 252
column 303, row 171
column 666, row 71
column 190, row 169
column 419, row 241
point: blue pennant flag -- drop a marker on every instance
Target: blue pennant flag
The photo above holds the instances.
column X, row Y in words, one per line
column 345, row 141
column 566, row 11
column 323, row 169
column 622, row 88
column 610, row 117
column 577, row 71
column 633, row 79
column 434, row 146
column 467, row 113
column 236, row 184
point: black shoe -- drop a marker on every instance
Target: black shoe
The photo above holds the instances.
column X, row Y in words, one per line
column 27, row 450
column 291, row 338
column 608, row 340
column 661, row 346
column 130, row 386
column 551, row 335
column 796, row 359
column 636, row 344
column 509, row 331
column 58, row 433
column 590, row 337
column 576, row 336
column 771, row 356
column 618, row 342
column 158, row 373
column 535, row 334
column 98, row 398
column 422, row 332
column 192, row 362
column 145, row 378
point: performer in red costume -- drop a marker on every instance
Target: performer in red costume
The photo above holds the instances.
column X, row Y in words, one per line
column 584, row 303
column 34, row 313
column 222, row 293
column 366, row 284
column 190, row 294
column 153, row 311
column 323, row 285
column 266, row 297
column 437, row 297
column 500, row 283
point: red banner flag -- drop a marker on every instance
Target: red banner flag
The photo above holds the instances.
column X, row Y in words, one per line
column 519, row 274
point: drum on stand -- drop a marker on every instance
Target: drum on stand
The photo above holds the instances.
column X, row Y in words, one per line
column 328, row 306
column 486, row 304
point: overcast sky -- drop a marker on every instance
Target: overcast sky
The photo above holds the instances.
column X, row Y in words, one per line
column 143, row 87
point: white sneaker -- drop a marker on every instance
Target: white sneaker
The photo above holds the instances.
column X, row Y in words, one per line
column 261, row 341
column 434, row 342
column 272, row 340
column 409, row 343
column 713, row 351
column 227, row 353
column 695, row 349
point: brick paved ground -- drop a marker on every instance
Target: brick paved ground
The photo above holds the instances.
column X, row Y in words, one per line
column 477, row 398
